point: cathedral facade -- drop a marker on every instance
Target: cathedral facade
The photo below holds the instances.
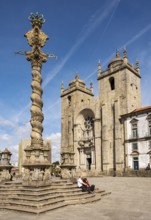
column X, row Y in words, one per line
column 92, row 132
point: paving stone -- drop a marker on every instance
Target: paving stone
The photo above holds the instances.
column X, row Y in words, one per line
column 130, row 199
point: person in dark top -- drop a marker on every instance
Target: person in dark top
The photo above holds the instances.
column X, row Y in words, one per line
column 90, row 187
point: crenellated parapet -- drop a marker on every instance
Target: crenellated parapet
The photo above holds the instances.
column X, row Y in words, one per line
column 118, row 63
column 77, row 85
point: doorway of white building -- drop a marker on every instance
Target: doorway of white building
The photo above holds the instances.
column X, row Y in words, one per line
column 135, row 163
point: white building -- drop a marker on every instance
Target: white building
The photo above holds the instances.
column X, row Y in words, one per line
column 137, row 144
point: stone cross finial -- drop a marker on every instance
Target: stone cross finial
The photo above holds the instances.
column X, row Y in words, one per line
column 76, row 76
column 62, row 86
column 117, row 53
column 91, row 87
column 99, row 68
column 125, row 56
column 99, row 65
column 125, row 53
column 137, row 64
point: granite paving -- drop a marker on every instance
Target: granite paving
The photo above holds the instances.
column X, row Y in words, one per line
column 130, row 199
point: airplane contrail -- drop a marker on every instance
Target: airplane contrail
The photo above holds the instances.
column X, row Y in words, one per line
column 127, row 43
column 92, row 24
column 110, row 19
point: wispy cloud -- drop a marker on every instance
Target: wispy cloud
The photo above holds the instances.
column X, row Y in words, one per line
column 21, row 131
column 5, row 137
column 91, row 74
column 111, row 17
column 95, row 20
column 11, row 132
column 130, row 41
column 137, row 36
column 127, row 43
column 19, row 114
column 6, row 123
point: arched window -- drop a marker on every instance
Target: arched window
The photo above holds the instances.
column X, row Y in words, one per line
column 69, row 100
column 112, row 83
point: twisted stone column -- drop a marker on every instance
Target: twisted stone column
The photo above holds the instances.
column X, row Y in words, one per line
column 36, row 108
column 37, row 162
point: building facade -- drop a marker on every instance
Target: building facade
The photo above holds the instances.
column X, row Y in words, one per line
column 137, row 144
column 92, row 133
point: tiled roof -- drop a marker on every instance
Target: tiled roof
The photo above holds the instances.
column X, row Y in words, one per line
column 142, row 109
column 138, row 111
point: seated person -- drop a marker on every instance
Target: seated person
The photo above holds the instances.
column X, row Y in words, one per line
column 81, row 184
column 92, row 187
column 84, row 185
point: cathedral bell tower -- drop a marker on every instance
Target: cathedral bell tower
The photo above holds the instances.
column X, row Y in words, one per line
column 77, row 122
column 119, row 93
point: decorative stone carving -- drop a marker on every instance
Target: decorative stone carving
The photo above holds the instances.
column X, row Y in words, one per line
column 87, row 135
column 5, row 175
column 37, row 157
column 26, row 175
column 66, row 173
column 5, row 166
column 47, row 175
column 37, row 175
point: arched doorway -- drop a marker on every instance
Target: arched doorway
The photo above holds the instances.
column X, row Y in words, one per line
column 86, row 145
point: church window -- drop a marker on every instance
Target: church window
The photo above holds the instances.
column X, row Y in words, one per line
column 69, row 100
column 88, row 129
column 112, row 83
column 88, row 122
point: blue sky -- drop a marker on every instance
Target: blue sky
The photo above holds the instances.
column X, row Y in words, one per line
column 80, row 33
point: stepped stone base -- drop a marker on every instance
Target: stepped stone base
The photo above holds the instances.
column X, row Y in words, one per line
column 36, row 183
column 15, row 196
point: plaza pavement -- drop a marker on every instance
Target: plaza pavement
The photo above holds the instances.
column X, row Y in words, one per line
column 130, row 199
